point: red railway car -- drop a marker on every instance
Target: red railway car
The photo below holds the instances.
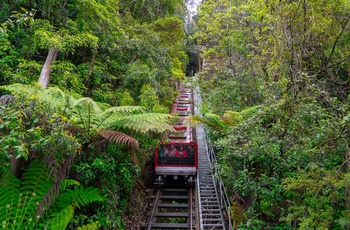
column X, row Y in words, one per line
column 176, row 155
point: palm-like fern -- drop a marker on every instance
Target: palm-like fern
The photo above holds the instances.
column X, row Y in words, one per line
column 95, row 120
column 221, row 123
column 20, row 200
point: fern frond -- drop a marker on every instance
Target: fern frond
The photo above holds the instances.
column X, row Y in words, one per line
column 87, row 112
column 24, row 195
column 22, row 90
column 84, row 196
column 249, row 111
column 36, row 179
column 60, row 220
column 36, row 183
column 212, row 120
column 156, row 122
column 124, row 110
column 116, row 113
column 119, row 138
column 56, row 97
column 68, row 182
column 228, row 120
column 9, row 196
column 235, row 116
column 79, row 196
column 85, row 105
column 59, row 171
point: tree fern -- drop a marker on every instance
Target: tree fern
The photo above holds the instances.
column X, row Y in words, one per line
column 20, row 199
column 79, row 196
column 20, row 210
column 88, row 115
column 57, row 98
column 119, row 138
column 62, row 210
column 18, row 89
column 156, row 122
column 9, row 197
column 116, row 113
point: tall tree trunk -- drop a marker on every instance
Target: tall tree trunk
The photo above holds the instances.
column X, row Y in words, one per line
column 45, row 72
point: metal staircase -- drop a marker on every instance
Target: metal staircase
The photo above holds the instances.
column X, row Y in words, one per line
column 210, row 208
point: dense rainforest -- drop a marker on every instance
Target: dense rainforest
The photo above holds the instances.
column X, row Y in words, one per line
column 280, row 70
column 86, row 88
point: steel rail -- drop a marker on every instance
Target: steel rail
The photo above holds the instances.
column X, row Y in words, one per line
column 155, row 205
column 162, row 200
column 191, row 208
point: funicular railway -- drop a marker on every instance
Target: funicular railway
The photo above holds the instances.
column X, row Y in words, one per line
column 185, row 193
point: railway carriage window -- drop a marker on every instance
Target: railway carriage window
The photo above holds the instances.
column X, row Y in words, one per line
column 176, row 154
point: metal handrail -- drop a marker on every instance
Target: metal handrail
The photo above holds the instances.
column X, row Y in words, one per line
column 224, row 200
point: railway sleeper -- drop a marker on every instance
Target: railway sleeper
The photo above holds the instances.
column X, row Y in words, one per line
column 170, row 226
column 173, row 214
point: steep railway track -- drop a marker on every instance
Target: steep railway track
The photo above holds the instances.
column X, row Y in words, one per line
column 172, row 208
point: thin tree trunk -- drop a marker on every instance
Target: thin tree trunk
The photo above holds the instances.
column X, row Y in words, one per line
column 134, row 157
column 133, row 151
column 45, row 72
column 15, row 165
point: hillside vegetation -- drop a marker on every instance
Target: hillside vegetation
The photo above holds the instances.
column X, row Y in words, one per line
column 86, row 89
column 282, row 67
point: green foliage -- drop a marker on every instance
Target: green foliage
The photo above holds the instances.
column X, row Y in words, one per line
column 222, row 123
column 20, row 200
column 63, row 40
column 92, row 226
column 90, row 115
column 150, row 10
column 18, row 210
column 61, row 219
column 138, row 75
column 126, row 99
column 110, row 170
column 286, row 57
column 29, row 128
column 108, row 50
column 148, row 97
